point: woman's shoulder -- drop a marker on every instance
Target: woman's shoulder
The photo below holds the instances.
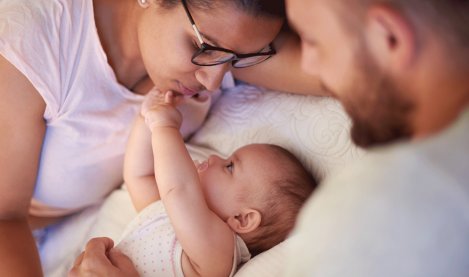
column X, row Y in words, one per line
column 24, row 13
column 41, row 38
column 32, row 18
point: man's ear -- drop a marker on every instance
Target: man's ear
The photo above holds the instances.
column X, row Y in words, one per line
column 390, row 37
column 246, row 221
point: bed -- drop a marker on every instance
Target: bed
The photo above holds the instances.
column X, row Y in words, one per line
column 316, row 129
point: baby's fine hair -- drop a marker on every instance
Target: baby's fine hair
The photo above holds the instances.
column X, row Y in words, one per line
column 280, row 208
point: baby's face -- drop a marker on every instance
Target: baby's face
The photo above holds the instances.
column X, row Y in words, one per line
column 238, row 181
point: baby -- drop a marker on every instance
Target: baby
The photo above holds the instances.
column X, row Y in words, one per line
column 212, row 215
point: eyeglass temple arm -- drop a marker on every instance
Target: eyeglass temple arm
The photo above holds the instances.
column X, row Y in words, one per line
column 199, row 37
column 197, row 33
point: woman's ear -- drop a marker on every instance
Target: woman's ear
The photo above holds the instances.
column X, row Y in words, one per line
column 144, row 3
column 390, row 37
column 246, row 221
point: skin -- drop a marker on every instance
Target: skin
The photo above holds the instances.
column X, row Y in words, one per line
column 272, row 74
column 242, row 174
column 165, row 37
column 390, row 75
column 177, row 45
column 142, row 53
column 20, row 142
column 200, row 201
column 100, row 250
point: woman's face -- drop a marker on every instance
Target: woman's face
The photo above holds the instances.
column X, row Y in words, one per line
column 167, row 43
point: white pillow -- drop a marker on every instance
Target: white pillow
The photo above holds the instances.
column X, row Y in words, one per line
column 315, row 129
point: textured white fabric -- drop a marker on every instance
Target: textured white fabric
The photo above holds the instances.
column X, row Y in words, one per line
column 314, row 128
column 150, row 242
column 401, row 211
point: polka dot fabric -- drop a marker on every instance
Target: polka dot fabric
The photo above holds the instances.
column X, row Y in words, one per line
column 149, row 240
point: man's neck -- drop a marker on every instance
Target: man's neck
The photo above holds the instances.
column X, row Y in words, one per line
column 440, row 110
column 439, row 82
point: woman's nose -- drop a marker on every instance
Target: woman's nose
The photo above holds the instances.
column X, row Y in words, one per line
column 211, row 76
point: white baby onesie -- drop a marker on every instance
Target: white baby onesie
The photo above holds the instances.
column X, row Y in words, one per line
column 150, row 242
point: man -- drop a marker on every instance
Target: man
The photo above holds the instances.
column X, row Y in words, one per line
column 401, row 70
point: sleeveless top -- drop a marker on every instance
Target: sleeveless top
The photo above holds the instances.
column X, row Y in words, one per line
column 150, row 242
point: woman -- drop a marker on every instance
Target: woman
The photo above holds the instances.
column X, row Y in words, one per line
column 72, row 76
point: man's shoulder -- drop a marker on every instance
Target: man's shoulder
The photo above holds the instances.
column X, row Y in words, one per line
column 396, row 210
column 418, row 175
column 440, row 160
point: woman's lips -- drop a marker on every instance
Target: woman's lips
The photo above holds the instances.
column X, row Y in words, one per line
column 187, row 91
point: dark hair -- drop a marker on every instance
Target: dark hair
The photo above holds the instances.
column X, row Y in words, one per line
column 268, row 8
column 280, row 208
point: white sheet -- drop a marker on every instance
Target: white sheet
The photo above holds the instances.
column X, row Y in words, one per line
column 315, row 129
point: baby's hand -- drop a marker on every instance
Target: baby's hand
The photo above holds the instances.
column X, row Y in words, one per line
column 159, row 110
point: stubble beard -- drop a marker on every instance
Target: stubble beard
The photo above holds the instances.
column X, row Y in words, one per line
column 380, row 114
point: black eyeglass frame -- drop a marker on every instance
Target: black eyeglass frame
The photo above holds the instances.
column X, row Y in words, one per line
column 207, row 47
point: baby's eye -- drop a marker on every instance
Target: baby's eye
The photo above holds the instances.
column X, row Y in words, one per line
column 230, row 166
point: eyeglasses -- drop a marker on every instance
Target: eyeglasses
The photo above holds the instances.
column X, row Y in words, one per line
column 209, row 55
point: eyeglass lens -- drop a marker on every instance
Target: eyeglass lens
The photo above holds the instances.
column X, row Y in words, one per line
column 213, row 57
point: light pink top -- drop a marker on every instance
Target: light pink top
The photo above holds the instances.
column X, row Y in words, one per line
column 55, row 44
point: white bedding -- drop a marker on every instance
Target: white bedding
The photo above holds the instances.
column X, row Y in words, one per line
column 315, row 129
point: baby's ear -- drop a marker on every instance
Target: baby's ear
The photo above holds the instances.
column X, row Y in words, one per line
column 246, row 221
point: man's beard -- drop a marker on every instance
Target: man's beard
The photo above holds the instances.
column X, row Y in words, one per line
column 379, row 112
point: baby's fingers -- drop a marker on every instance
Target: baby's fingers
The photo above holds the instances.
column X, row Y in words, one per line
column 172, row 98
column 152, row 99
column 169, row 97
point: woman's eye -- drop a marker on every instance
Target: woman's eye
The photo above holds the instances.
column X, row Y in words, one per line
column 230, row 167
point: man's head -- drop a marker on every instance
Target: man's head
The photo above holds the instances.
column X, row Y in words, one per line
column 384, row 59
column 258, row 191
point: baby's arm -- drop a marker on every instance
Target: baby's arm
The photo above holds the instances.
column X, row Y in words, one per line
column 138, row 166
column 206, row 239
